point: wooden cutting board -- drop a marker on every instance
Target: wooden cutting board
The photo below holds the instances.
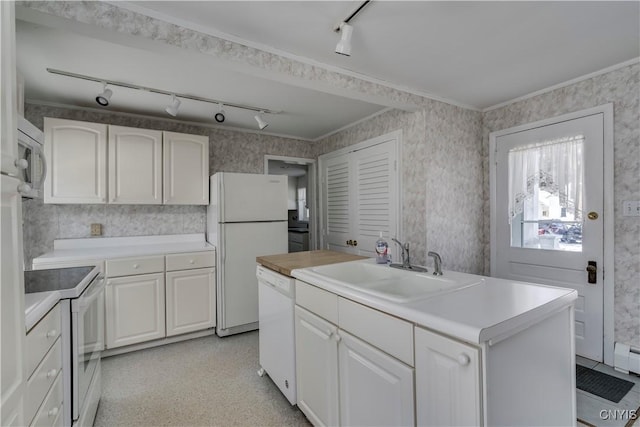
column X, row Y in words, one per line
column 285, row 263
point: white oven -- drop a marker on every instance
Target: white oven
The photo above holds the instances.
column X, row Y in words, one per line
column 87, row 335
column 32, row 166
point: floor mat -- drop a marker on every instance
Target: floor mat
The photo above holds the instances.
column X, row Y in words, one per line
column 601, row 384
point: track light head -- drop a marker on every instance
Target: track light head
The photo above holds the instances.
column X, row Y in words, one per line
column 344, row 45
column 219, row 116
column 104, row 97
column 261, row 123
column 172, row 109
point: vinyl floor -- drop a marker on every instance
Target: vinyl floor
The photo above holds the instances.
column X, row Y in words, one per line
column 213, row 381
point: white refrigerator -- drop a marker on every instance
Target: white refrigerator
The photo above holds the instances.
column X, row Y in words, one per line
column 246, row 218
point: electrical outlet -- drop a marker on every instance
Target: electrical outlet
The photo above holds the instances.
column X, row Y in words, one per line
column 631, row 208
column 96, row 229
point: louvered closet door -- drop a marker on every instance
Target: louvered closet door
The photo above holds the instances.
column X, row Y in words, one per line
column 375, row 196
column 336, row 192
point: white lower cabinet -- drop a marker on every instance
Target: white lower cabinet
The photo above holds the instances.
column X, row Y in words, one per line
column 158, row 296
column 448, row 388
column 375, row 388
column 190, row 297
column 135, row 309
column 317, row 368
column 343, row 380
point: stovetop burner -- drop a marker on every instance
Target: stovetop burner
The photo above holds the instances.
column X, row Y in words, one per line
column 56, row 279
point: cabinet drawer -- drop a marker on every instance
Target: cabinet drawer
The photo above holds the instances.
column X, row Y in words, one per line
column 317, row 301
column 41, row 337
column 367, row 324
column 191, row 260
column 50, row 412
column 40, row 382
column 133, row 266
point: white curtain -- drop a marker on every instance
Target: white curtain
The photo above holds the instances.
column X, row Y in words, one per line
column 553, row 166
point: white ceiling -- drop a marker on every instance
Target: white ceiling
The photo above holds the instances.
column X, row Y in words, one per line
column 477, row 54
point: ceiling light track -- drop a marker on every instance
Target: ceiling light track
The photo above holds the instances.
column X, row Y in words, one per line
column 174, row 95
column 352, row 15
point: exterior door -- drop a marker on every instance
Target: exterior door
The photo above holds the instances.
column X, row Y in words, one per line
column 548, row 209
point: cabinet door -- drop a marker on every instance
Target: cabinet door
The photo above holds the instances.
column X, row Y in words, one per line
column 12, row 338
column 375, row 196
column 135, row 309
column 337, row 195
column 359, row 191
column 186, row 169
column 8, row 95
column 135, row 166
column 77, row 156
column 191, row 300
column 316, row 368
column 447, row 381
column 375, row 388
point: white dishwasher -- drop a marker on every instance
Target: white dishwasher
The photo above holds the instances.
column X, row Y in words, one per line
column 276, row 300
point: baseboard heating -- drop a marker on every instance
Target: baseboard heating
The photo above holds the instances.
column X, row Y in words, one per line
column 626, row 358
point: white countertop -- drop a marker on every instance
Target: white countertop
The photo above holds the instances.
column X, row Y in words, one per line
column 101, row 248
column 479, row 313
column 37, row 305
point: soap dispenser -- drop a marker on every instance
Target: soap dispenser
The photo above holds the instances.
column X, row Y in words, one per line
column 382, row 250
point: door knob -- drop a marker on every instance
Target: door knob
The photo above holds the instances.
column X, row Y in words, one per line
column 592, row 272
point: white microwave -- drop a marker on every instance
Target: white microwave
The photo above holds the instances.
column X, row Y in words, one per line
column 32, row 165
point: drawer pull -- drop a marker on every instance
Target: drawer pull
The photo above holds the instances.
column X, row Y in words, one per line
column 52, row 373
column 336, row 337
column 53, row 412
column 191, row 261
column 135, row 266
column 463, row 359
column 52, row 333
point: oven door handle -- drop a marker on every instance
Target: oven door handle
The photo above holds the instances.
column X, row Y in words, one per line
column 97, row 291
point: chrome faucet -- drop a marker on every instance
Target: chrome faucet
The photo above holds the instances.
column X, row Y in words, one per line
column 406, row 260
column 437, row 261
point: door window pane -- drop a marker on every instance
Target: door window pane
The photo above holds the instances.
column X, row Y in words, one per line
column 546, row 194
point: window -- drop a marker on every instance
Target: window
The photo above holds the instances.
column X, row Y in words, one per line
column 545, row 194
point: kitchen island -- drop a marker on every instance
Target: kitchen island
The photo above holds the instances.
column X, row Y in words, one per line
column 478, row 351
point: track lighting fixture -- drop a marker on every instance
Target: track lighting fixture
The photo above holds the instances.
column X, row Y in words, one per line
column 220, row 114
column 261, row 123
column 105, row 96
column 344, row 45
column 172, row 109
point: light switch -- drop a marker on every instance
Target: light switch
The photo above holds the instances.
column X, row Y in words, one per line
column 96, row 229
column 631, row 208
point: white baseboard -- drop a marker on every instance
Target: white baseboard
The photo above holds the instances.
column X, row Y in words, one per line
column 626, row 359
column 156, row 343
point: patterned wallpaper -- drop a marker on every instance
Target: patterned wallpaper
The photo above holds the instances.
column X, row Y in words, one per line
column 441, row 180
column 622, row 88
column 229, row 151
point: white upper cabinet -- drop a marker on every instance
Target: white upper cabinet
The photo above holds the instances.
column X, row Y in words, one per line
column 186, row 169
column 135, row 166
column 97, row 163
column 77, row 156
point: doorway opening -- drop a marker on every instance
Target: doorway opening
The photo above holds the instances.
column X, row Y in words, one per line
column 301, row 209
